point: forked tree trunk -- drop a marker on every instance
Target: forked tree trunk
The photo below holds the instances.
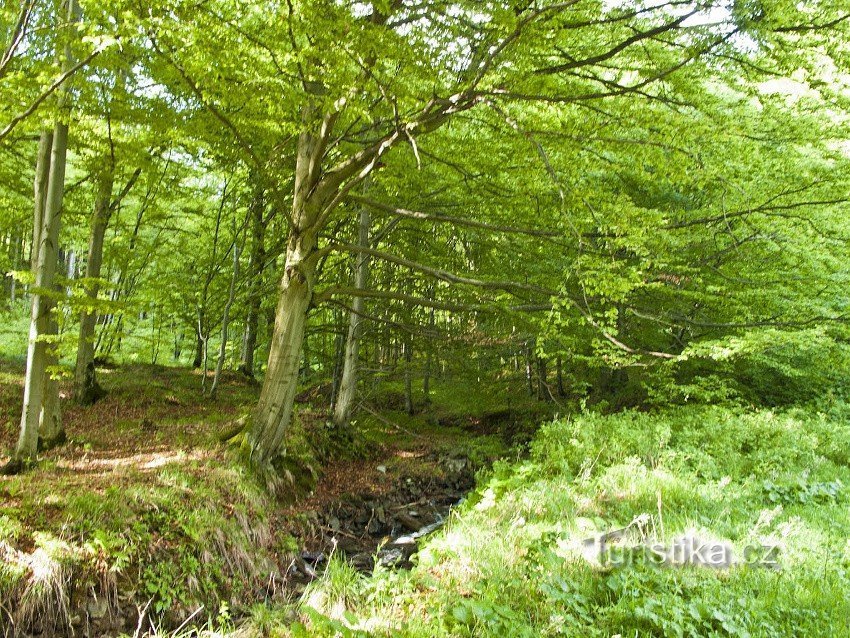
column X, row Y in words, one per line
column 86, row 388
column 317, row 191
column 271, row 417
column 348, row 384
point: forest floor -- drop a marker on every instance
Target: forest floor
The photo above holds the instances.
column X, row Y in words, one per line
column 677, row 521
column 143, row 512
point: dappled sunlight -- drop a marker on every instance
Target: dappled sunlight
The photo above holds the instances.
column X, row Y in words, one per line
column 141, row 461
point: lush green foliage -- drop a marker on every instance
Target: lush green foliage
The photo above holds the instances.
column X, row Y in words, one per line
column 603, row 205
column 511, row 563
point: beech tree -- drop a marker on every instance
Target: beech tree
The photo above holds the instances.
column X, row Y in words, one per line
column 570, row 185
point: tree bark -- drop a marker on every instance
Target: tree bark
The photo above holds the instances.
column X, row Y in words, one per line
column 272, row 415
column 86, row 388
column 199, row 348
column 50, row 431
column 274, row 409
column 429, row 355
column 562, row 392
column 348, row 384
column 54, row 147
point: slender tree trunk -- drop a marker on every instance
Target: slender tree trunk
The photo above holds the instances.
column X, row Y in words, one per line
column 543, row 393
column 562, row 392
column 529, row 377
column 178, row 345
column 429, row 354
column 348, row 384
column 407, row 349
column 86, row 388
column 257, row 266
column 199, row 346
column 225, row 320
column 339, row 360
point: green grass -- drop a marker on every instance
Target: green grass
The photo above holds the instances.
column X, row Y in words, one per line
column 510, row 564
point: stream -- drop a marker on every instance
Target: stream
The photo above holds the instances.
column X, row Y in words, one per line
column 388, row 527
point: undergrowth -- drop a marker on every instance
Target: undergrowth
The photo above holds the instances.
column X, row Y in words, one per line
column 512, row 561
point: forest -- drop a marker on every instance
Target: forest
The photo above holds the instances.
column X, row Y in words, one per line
column 424, row 318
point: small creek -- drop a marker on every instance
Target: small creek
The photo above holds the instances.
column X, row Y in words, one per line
column 387, row 527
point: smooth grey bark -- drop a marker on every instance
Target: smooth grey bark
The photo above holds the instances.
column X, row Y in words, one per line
column 311, row 197
column 50, row 430
column 348, row 383
column 45, row 270
column 339, row 356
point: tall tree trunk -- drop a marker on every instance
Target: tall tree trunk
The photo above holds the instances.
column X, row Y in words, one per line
column 257, row 266
column 86, row 388
column 225, row 320
column 339, row 358
column 429, row 354
column 562, row 392
column 407, row 349
column 274, row 409
column 348, row 384
column 543, row 392
column 50, row 430
column 53, row 146
column 272, row 415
